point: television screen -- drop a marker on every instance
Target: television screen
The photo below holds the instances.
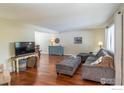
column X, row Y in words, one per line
column 24, row 48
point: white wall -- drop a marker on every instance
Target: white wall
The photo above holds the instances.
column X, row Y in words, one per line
column 10, row 32
column 90, row 39
column 43, row 39
column 122, row 67
column 118, row 48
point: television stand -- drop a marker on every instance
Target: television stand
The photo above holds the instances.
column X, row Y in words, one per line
column 15, row 61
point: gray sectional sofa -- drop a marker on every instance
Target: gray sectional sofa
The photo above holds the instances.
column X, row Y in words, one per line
column 102, row 72
column 99, row 73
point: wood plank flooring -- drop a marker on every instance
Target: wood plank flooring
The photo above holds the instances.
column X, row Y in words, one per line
column 45, row 74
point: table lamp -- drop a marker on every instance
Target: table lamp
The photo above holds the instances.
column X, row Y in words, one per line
column 100, row 44
column 52, row 41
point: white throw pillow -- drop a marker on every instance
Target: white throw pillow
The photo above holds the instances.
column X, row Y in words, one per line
column 74, row 56
column 97, row 61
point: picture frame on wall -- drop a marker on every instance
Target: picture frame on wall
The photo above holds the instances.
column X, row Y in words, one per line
column 77, row 40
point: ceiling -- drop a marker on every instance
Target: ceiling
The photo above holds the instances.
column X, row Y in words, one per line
column 60, row 16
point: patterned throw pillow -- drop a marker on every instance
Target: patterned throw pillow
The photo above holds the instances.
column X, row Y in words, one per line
column 107, row 61
column 99, row 60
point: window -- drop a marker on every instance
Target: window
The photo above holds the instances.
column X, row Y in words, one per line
column 110, row 38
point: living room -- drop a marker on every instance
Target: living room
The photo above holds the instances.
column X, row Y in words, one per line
column 67, row 25
column 90, row 39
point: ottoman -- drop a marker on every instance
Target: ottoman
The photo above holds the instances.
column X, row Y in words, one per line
column 68, row 66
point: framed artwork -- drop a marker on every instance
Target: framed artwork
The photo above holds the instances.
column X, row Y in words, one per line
column 77, row 40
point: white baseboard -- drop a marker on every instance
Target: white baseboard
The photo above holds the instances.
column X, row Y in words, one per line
column 64, row 54
column 44, row 53
column 70, row 54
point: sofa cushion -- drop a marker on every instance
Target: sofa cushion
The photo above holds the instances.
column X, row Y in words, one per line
column 101, row 53
column 90, row 59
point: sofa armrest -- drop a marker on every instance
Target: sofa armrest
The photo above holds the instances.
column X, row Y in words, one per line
column 95, row 66
column 94, row 72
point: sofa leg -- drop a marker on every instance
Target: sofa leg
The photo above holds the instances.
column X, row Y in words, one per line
column 70, row 76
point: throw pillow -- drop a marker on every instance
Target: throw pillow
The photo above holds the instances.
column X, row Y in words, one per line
column 97, row 61
column 74, row 56
column 107, row 61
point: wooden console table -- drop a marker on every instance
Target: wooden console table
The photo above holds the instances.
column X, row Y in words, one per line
column 15, row 62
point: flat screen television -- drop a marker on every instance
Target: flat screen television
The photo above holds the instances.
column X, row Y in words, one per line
column 24, row 48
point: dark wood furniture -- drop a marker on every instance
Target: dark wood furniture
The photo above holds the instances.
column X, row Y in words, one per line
column 84, row 56
column 37, row 50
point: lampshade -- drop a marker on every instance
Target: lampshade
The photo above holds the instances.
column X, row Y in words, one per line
column 100, row 43
column 52, row 40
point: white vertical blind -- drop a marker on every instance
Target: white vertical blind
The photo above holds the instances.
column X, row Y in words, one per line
column 110, row 38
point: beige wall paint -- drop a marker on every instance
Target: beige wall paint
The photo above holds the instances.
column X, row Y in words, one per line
column 10, row 32
column 90, row 40
column 99, row 36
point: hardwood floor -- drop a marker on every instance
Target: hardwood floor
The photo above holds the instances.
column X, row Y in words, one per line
column 45, row 74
